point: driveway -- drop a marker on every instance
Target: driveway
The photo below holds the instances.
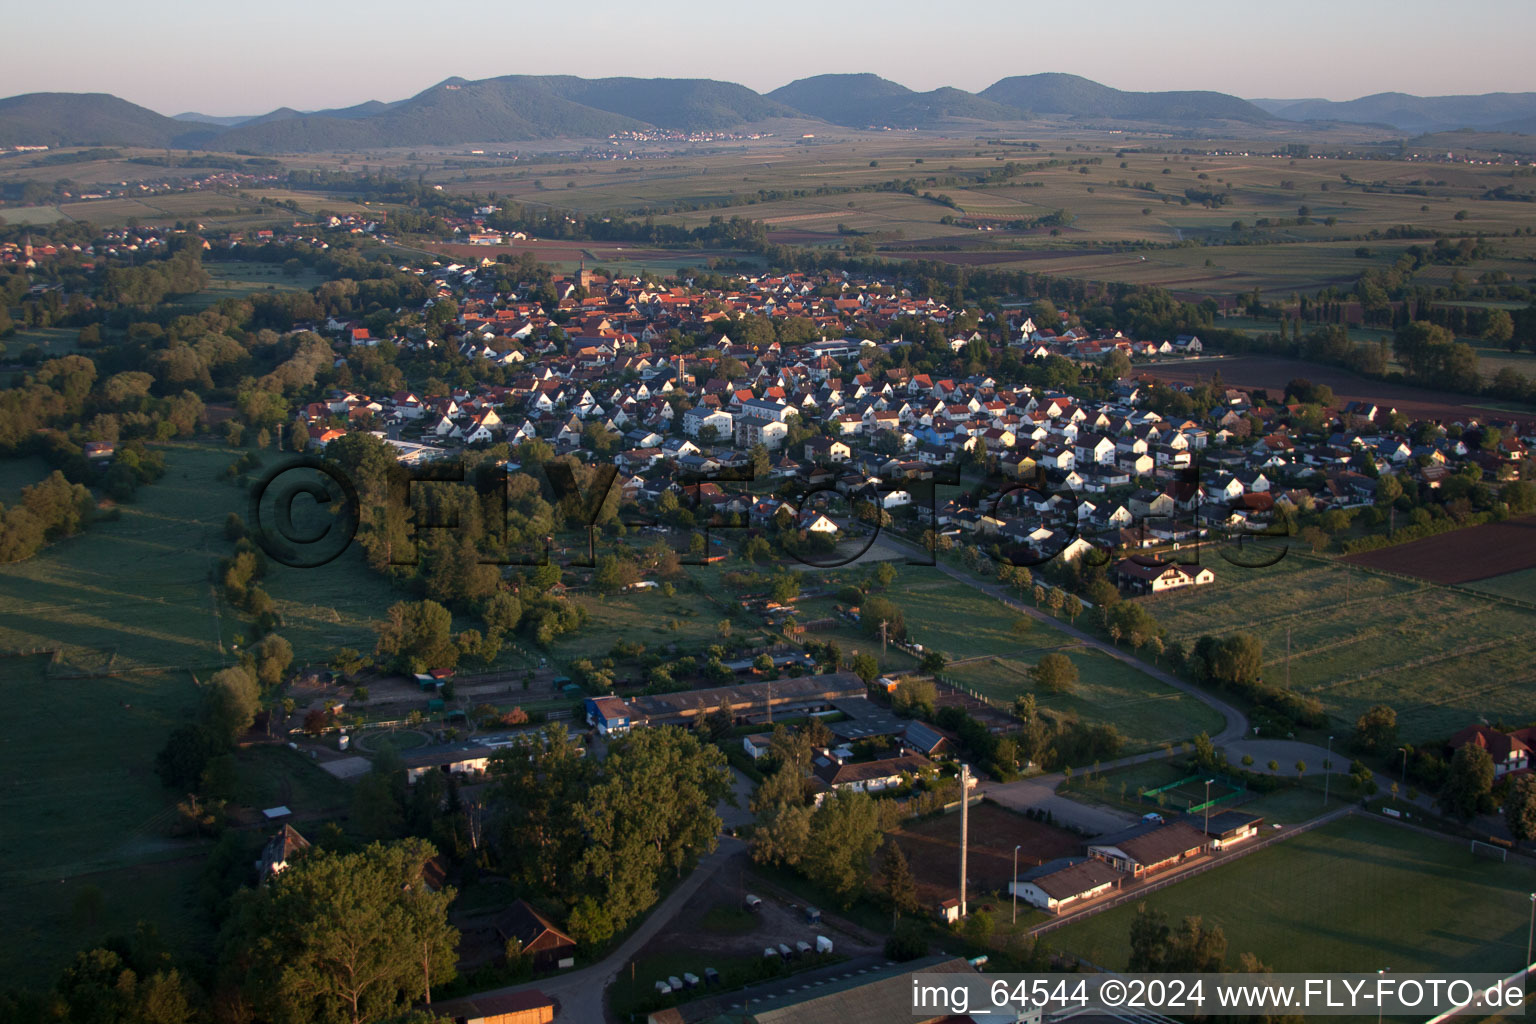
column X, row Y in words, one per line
column 735, row 817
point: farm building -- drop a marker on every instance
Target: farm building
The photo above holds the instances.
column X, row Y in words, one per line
column 1149, row 847
column 455, row 758
column 1058, row 885
column 748, row 703
column 549, row 947
column 529, row 1006
column 280, row 849
column 1155, row 579
column 609, row 715
column 756, row 745
column 1227, row 828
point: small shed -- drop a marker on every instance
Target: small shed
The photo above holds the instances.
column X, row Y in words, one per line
column 436, row 704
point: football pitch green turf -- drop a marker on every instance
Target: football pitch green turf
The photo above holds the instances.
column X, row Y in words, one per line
column 1355, row 895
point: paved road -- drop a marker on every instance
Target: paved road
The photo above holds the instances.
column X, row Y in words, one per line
column 580, row 992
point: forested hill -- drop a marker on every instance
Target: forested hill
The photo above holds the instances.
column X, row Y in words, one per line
column 517, row 108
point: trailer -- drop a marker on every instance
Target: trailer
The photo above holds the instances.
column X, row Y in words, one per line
column 802, row 948
column 823, row 944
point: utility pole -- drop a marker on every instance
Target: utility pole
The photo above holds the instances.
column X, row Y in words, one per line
column 1327, row 766
column 965, row 828
column 883, row 624
column 1015, row 888
column 1287, row 657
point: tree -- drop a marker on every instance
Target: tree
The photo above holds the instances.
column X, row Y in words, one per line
column 845, row 831
column 1520, row 807
column 1074, row 608
column 1055, row 673
column 418, row 635
column 273, row 656
column 232, row 700
column 1149, row 939
column 650, row 810
column 1376, row 730
column 915, row 697
column 783, row 816
column 613, row 574
column 896, row 881
column 885, row 574
column 866, row 667
column 128, row 985
column 182, row 761
column 1469, row 788
column 343, row 938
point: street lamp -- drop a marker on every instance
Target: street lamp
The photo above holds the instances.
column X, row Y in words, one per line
column 1384, row 970
column 1015, row 888
column 1208, row 809
column 1404, row 751
column 1530, row 933
column 1327, row 766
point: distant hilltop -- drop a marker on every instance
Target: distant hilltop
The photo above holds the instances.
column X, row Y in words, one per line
column 517, row 108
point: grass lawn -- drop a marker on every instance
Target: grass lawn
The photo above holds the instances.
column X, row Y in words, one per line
column 1147, row 713
column 49, row 921
column 18, row 473
column 1356, row 895
column 235, row 279
column 132, row 596
column 275, row 775
column 52, row 341
column 689, row 619
column 1520, row 585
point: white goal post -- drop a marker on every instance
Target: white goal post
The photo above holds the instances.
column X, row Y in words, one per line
column 1489, row 850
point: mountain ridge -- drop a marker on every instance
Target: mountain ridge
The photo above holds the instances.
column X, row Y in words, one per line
column 517, row 108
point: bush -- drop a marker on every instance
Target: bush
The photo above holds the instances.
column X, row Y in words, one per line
column 907, row 942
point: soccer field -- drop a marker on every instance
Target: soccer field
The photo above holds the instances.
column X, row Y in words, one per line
column 1356, row 895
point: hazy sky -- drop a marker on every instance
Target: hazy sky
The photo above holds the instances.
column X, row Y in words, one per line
column 222, row 58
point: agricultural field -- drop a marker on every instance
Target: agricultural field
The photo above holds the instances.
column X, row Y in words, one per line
column 1366, row 894
column 1273, row 372
column 1460, row 556
column 1124, row 198
column 932, row 849
column 1441, row 657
